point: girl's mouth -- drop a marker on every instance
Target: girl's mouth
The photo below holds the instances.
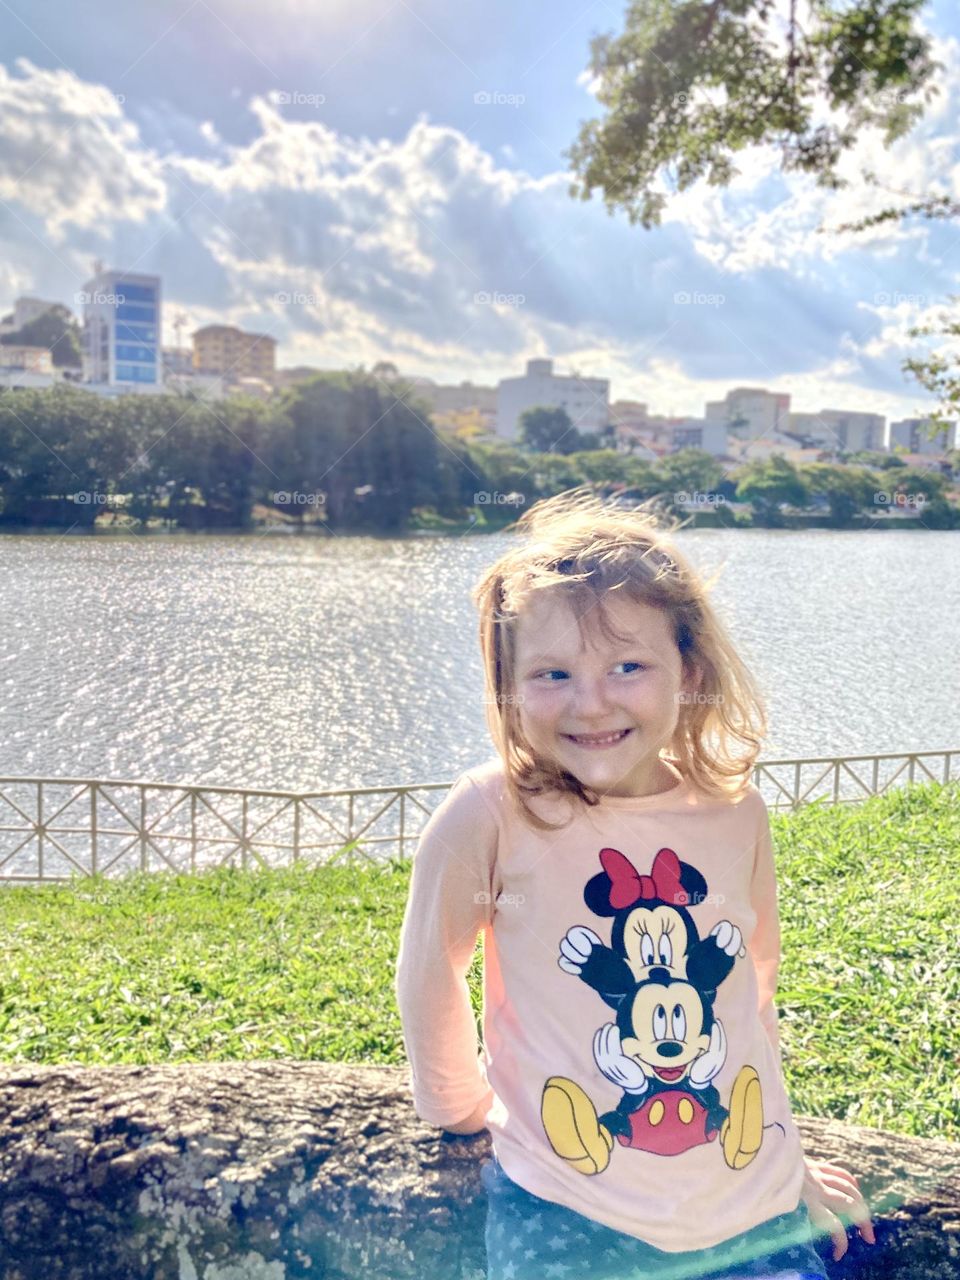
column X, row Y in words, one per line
column 594, row 741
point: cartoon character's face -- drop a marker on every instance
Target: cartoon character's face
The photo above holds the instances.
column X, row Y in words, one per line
column 668, row 1032
column 655, row 936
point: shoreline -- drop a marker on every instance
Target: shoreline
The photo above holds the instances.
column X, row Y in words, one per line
column 790, row 525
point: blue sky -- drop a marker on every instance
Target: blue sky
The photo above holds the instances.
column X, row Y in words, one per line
column 323, row 172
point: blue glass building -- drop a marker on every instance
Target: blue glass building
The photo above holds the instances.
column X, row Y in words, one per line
column 122, row 332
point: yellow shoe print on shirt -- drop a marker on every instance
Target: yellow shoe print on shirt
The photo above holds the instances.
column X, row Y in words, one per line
column 742, row 1131
column 570, row 1121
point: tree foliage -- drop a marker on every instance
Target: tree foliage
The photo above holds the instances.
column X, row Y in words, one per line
column 56, row 329
column 550, row 430
column 339, row 442
column 689, row 83
column 769, row 484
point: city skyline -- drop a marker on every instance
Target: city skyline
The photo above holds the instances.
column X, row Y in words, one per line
column 223, row 359
column 423, row 218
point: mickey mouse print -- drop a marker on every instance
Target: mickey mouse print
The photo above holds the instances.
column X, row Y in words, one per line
column 665, row 1045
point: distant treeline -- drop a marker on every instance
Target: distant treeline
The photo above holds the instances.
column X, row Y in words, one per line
column 352, row 452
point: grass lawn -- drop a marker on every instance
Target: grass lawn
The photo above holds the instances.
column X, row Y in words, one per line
column 298, row 964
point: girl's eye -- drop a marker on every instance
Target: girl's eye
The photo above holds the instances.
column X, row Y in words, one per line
column 563, row 674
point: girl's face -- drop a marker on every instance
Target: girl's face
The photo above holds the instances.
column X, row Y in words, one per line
column 602, row 710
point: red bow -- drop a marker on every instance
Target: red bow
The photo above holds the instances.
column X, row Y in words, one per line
column 627, row 886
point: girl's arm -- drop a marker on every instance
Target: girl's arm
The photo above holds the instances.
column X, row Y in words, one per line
column 764, row 946
column 451, row 898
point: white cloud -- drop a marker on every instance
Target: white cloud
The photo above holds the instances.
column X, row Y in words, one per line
column 589, row 82
column 429, row 251
column 763, row 219
column 69, row 154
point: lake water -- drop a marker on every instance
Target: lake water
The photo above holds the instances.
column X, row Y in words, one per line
column 313, row 663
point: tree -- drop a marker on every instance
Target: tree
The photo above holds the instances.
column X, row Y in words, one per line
column 599, row 466
column 362, row 445
column 876, row 461
column 60, row 453
column 847, row 489
column 765, row 485
column 549, row 430
column 501, row 468
column 55, row 329
column 690, row 83
column 939, row 373
column 691, row 471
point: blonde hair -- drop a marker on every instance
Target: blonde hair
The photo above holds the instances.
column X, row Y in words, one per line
column 584, row 547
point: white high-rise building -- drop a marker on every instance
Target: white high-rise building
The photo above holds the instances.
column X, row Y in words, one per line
column 913, row 434
column 842, row 430
column 699, row 433
column 760, row 413
column 586, row 400
column 121, row 333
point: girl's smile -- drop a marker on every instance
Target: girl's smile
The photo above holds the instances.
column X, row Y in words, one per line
column 597, row 741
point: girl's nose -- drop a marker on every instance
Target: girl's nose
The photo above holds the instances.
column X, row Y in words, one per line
column 590, row 696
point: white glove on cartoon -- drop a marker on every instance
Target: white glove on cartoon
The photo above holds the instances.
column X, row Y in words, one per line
column 626, row 1072
column 575, row 948
column 728, row 936
column 712, row 1059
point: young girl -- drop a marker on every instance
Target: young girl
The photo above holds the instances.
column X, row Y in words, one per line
column 616, row 858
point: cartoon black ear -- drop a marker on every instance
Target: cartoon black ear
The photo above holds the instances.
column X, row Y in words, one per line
column 596, row 895
column 694, row 883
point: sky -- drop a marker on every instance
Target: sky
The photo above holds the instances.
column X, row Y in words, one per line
column 374, row 180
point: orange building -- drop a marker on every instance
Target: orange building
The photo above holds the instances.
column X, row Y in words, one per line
column 233, row 354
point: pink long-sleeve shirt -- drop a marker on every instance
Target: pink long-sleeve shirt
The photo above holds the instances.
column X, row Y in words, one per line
column 655, row 916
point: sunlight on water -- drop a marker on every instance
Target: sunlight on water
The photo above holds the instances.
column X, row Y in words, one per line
column 352, row 662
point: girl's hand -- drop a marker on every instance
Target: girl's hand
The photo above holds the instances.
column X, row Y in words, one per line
column 474, row 1123
column 828, row 1191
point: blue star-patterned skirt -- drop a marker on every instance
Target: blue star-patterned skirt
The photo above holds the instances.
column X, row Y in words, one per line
column 532, row 1239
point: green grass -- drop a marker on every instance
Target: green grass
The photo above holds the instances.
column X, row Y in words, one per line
column 298, row 963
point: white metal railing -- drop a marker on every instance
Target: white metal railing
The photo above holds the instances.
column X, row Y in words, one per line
column 53, row 829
